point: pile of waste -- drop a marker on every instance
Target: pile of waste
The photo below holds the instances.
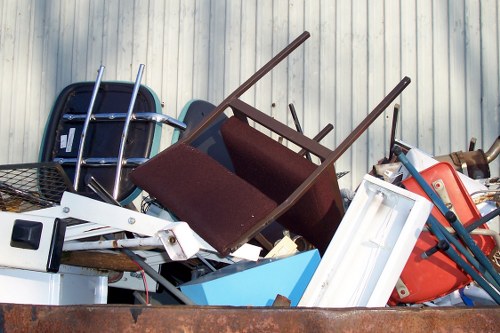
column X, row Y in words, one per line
column 228, row 215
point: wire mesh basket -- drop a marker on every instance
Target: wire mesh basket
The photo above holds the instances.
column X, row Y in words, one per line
column 31, row 186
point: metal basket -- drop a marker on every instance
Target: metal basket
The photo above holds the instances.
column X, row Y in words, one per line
column 32, row 186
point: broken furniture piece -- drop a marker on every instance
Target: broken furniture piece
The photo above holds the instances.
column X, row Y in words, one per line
column 442, row 184
column 370, row 247
column 39, row 212
column 255, row 283
column 98, row 129
column 271, row 182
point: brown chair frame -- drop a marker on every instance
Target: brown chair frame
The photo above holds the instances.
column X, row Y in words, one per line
column 243, row 111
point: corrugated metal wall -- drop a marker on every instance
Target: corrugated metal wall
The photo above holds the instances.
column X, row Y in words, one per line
column 358, row 51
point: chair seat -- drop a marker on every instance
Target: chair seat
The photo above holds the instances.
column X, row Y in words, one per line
column 216, row 203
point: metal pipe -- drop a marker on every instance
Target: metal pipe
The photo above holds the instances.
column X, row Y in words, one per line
column 86, row 126
column 157, row 277
column 297, row 125
column 137, row 85
column 113, row 244
column 493, row 152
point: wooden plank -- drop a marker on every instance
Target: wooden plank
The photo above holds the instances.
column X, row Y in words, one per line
column 114, row 261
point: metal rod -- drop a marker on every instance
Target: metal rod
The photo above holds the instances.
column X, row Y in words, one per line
column 86, row 126
column 117, row 116
column 125, row 131
column 297, row 125
column 393, row 129
column 103, row 161
column 318, row 137
column 113, row 244
column 483, row 220
column 98, row 189
column 436, row 229
column 157, row 277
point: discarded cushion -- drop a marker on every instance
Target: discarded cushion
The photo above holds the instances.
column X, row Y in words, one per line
column 216, row 203
column 277, row 171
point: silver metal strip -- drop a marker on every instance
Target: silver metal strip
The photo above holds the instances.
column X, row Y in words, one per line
column 144, row 116
column 125, row 131
column 102, row 161
column 86, row 126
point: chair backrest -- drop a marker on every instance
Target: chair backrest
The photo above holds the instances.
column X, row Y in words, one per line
column 277, row 171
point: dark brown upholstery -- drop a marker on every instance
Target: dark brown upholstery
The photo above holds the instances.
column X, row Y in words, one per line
column 277, row 171
column 216, row 203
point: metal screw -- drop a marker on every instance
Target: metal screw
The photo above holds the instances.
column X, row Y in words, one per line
column 172, row 240
column 131, row 220
column 66, row 210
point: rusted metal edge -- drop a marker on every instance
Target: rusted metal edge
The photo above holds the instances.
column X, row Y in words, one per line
column 128, row 318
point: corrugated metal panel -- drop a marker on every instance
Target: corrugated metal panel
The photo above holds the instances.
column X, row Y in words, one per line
column 204, row 49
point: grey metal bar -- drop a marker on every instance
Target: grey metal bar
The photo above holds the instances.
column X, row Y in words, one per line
column 102, row 161
column 144, row 116
column 125, row 131
column 86, row 126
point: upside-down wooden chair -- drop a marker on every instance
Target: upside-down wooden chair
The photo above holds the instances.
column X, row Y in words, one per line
column 270, row 181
